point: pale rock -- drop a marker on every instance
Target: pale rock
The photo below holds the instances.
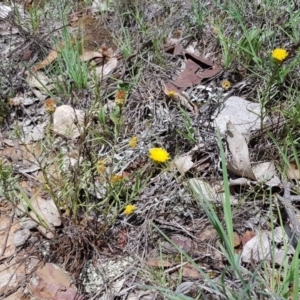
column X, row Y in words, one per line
column 21, row 236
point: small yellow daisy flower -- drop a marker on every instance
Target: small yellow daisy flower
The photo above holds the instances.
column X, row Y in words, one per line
column 171, row 94
column 129, row 209
column 279, row 55
column 133, row 142
column 101, row 166
column 159, row 155
column 116, row 178
column 226, row 85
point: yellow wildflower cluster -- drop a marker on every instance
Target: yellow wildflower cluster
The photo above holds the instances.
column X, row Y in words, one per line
column 120, row 97
column 129, row 209
column 133, row 142
column 50, row 106
column 159, row 155
column 279, row 55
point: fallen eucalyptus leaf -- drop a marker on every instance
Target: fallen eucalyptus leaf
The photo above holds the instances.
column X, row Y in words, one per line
column 45, row 211
column 257, row 249
column 40, row 81
column 107, row 68
column 239, row 164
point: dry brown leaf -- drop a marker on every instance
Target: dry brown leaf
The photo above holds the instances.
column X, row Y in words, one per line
column 52, row 56
column 189, row 271
column 192, row 74
column 156, row 262
column 236, row 240
column 239, row 164
column 182, row 242
column 248, row 235
column 107, row 52
column 293, row 171
column 207, row 234
column 122, row 238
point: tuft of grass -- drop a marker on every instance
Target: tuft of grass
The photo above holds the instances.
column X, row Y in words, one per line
column 72, row 73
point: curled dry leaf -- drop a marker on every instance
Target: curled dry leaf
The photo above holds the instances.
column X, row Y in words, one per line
column 205, row 192
column 45, row 210
column 257, row 249
column 180, row 98
column 247, row 236
column 107, row 68
column 52, row 56
column 183, row 163
column 189, row 271
column 40, row 81
column 264, row 171
column 106, row 52
column 33, row 132
column 239, row 164
column 236, row 240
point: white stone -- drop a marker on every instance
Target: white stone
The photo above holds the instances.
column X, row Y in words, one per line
column 21, row 236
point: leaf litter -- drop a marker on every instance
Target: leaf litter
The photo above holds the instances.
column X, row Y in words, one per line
column 164, row 200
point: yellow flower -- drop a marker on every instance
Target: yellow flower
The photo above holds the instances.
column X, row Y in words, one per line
column 101, row 166
column 133, row 142
column 129, row 209
column 171, row 94
column 226, row 85
column 116, row 178
column 279, row 55
column 120, row 97
column 159, row 155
